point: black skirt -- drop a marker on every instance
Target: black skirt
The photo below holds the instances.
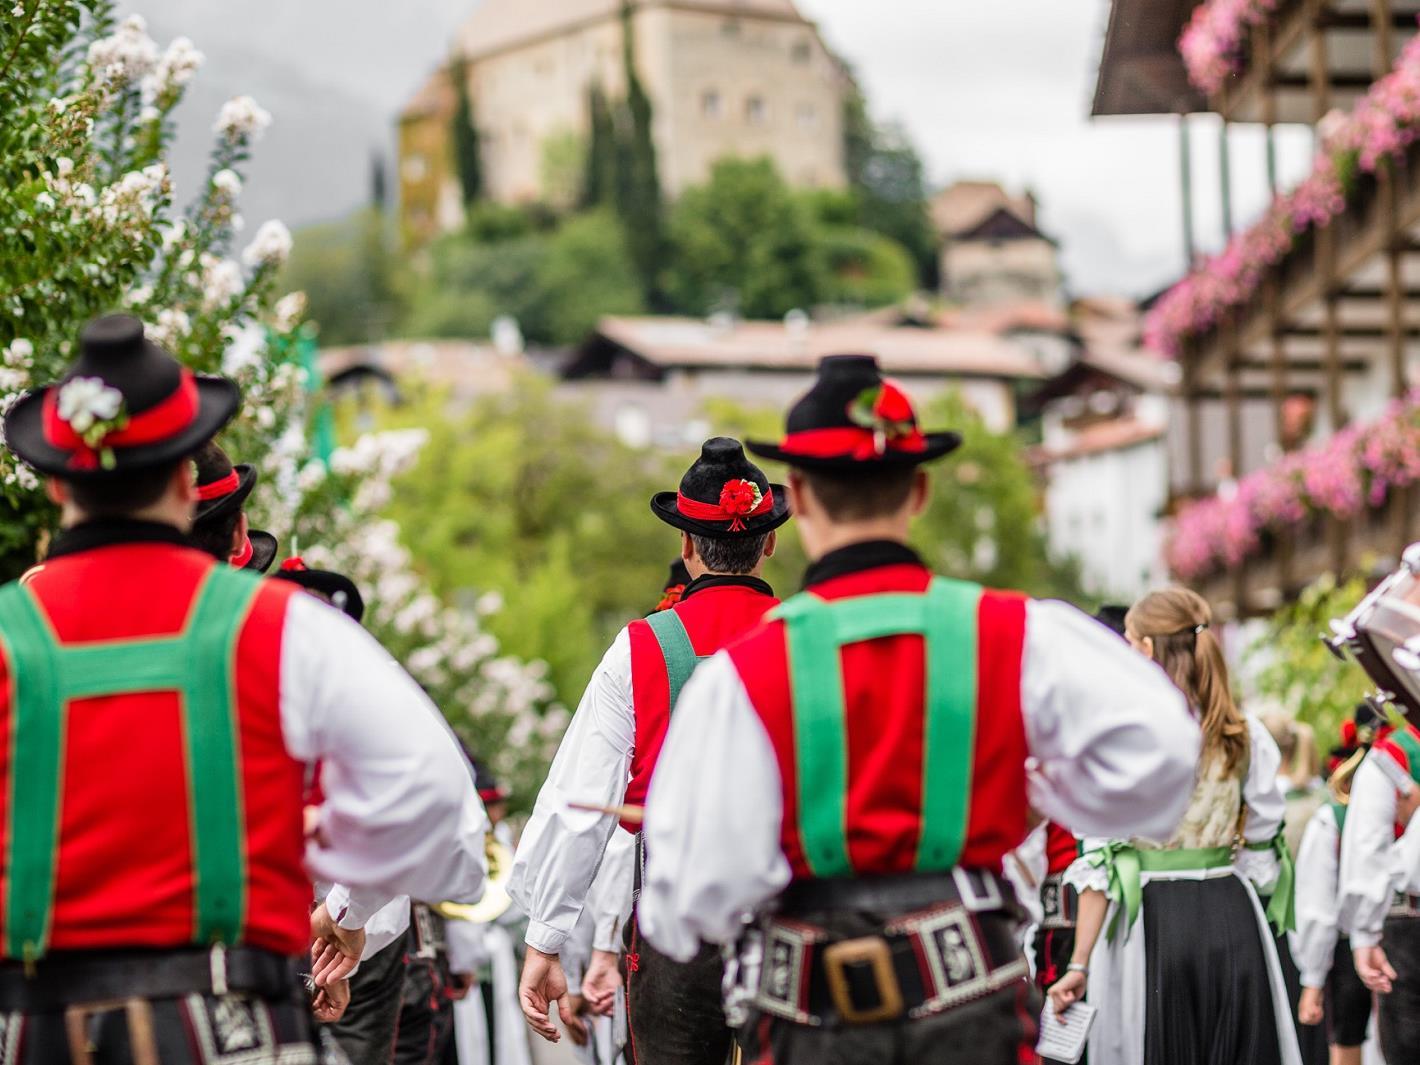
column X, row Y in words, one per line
column 1209, row 996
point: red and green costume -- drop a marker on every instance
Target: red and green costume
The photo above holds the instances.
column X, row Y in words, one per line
column 94, row 651
column 892, row 700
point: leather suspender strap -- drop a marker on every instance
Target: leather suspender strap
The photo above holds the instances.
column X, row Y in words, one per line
column 816, row 631
column 199, row 664
column 676, row 650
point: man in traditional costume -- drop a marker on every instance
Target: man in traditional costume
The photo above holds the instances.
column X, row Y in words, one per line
column 219, row 525
column 159, row 712
column 727, row 512
column 1379, row 903
column 855, row 768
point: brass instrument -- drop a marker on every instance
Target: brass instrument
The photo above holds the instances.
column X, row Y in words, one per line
column 496, row 900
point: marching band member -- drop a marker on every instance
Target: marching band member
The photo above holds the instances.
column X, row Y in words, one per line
column 219, row 525
column 1203, row 984
column 861, row 763
column 159, row 713
column 727, row 512
column 1378, row 906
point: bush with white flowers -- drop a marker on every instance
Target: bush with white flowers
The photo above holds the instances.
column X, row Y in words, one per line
column 89, row 223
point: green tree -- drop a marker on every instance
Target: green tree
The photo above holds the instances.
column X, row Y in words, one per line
column 889, row 179
column 563, row 166
column 744, row 237
column 350, row 277
column 1291, row 667
column 467, row 154
column 599, row 181
column 524, row 496
column 640, row 204
column 588, row 272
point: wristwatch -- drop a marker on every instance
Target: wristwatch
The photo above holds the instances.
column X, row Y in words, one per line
column 1077, row 967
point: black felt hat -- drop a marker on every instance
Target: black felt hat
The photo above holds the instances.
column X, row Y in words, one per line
column 853, row 418
column 723, row 495
column 336, row 587
column 490, row 788
column 221, row 487
column 263, row 551
column 1112, row 616
column 124, row 405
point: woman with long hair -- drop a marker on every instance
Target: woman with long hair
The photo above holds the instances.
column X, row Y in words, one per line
column 1171, row 943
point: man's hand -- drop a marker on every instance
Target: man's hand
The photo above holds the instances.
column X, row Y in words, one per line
column 1406, row 803
column 330, row 1001
column 577, row 1030
column 600, row 984
column 1067, row 991
column 544, row 983
column 460, row 984
column 335, row 951
column 1309, row 1008
column 1374, row 969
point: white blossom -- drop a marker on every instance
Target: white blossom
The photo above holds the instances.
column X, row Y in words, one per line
column 228, row 182
column 177, row 67
column 245, row 347
column 64, row 166
column 44, row 201
column 171, row 326
column 241, row 118
column 221, row 283
column 312, row 476
column 288, row 312
column 127, row 55
column 19, row 353
column 489, row 603
column 84, row 401
column 270, row 247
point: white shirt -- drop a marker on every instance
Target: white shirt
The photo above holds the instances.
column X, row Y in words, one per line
column 609, row 900
column 1318, row 866
column 400, row 816
column 561, row 848
column 1368, row 883
column 1112, row 744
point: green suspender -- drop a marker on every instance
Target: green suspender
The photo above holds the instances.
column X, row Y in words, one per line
column 1406, row 741
column 816, row 631
column 199, row 664
column 1338, row 811
column 676, row 649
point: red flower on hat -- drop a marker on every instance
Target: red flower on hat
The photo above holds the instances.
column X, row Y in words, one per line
column 739, row 498
column 294, row 564
column 886, row 410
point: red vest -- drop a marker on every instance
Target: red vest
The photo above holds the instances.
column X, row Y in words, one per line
column 1061, row 848
column 712, row 616
column 123, row 874
column 884, row 707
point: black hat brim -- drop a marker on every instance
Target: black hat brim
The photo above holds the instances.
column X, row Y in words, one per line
column 217, row 509
column 263, row 551
column 217, row 402
column 938, row 445
column 663, row 505
column 328, row 584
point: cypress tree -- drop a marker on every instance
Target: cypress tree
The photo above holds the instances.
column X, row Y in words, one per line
column 599, row 183
column 467, row 160
column 639, row 201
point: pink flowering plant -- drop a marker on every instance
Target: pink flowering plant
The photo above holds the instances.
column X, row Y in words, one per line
column 1355, row 469
column 1212, row 42
column 1384, row 123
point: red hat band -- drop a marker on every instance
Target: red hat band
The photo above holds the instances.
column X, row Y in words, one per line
column 739, row 499
column 220, row 488
column 883, row 421
column 157, row 423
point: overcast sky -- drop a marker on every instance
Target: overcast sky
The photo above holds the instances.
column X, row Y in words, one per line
column 987, row 90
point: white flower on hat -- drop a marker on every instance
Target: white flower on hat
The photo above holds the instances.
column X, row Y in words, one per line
column 87, row 403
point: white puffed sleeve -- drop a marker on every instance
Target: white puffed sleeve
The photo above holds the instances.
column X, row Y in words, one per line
column 1318, row 865
column 1366, row 885
column 1265, row 807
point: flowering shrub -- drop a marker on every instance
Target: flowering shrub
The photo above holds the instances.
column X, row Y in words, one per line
column 88, row 225
column 1356, row 468
column 1211, row 44
column 1383, row 124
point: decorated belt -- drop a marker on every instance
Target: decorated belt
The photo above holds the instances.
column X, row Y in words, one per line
column 428, row 931
column 919, row 965
column 1058, row 902
column 1404, row 906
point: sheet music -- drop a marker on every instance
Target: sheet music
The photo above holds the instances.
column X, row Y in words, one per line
column 1063, row 1038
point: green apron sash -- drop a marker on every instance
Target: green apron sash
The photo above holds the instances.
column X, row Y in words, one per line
column 1125, row 863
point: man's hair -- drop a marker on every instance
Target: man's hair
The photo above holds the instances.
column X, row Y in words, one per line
column 860, row 496
column 215, row 536
column 737, row 555
column 121, row 494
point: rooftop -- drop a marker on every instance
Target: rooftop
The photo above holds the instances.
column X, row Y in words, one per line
column 669, row 343
column 1141, row 71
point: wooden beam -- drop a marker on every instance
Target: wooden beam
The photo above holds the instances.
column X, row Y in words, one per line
column 1248, row 394
column 1225, row 180
column 1301, row 366
column 1368, row 292
column 1318, row 78
column 1356, row 20
column 1349, row 331
column 1380, row 21
column 1339, row 79
column 1185, row 188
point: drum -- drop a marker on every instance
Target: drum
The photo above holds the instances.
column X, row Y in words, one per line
column 1383, row 635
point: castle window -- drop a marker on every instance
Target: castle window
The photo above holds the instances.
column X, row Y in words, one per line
column 806, row 116
column 802, row 52
column 711, row 105
column 756, row 111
